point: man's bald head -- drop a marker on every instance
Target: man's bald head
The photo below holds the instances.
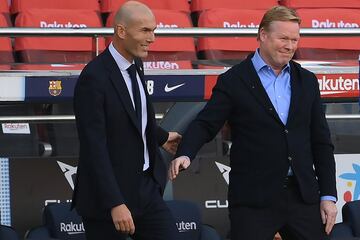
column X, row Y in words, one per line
column 128, row 12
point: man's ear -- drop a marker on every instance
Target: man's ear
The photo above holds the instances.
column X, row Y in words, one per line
column 120, row 31
column 262, row 34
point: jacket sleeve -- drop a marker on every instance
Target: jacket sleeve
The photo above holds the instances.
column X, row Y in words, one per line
column 210, row 120
column 322, row 146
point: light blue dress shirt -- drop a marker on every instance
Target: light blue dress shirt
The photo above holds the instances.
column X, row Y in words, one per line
column 278, row 89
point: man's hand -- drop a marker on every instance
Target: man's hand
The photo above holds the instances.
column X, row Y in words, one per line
column 328, row 213
column 172, row 142
column 176, row 165
column 122, row 219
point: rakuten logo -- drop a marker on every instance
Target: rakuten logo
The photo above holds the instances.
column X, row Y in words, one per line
column 72, row 228
column 337, row 84
column 162, row 25
column 161, row 65
column 186, row 226
column 330, row 24
column 239, row 25
column 55, row 24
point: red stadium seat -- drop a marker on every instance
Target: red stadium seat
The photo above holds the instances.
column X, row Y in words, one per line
column 4, row 7
column 6, row 53
column 56, row 49
column 228, row 47
column 200, row 5
column 321, row 3
column 169, row 48
column 329, row 48
column 4, row 10
column 176, row 5
column 22, row 5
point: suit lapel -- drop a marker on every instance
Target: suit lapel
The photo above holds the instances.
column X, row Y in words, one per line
column 256, row 88
column 295, row 92
column 121, row 88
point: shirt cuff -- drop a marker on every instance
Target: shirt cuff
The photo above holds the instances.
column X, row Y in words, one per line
column 328, row 198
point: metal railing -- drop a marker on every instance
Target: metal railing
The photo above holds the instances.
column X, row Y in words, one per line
column 65, row 118
column 96, row 33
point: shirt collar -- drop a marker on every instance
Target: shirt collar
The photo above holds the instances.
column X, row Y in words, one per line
column 122, row 63
column 259, row 62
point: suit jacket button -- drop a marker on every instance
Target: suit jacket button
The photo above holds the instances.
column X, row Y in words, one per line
column 270, row 109
column 286, row 131
column 289, row 158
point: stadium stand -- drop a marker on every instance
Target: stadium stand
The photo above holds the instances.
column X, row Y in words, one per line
column 321, row 3
column 168, row 52
column 329, row 48
column 59, row 223
column 6, row 53
column 201, row 5
column 175, row 5
column 8, row 233
column 188, row 220
column 23, row 5
column 220, row 48
column 56, row 49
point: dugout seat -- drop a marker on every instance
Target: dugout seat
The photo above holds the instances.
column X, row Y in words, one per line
column 188, row 220
column 59, row 222
column 350, row 226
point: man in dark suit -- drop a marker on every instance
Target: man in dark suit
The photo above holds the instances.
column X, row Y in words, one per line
column 282, row 174
column 121, row 177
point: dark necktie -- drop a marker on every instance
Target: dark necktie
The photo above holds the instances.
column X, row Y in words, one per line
column 136, row 92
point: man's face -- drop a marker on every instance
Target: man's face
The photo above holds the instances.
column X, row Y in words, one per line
column 138, row 35
column 279, row 43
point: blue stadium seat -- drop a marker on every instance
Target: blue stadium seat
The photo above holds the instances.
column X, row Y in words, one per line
column 8, row 233
column 188, row 220
column 350, row 227
column 59, row 223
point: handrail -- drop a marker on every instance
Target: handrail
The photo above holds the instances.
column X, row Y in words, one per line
column 44, row 118
column 171, row 32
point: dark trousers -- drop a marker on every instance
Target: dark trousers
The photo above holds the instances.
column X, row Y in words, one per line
column 294, row 219
column 152, row 218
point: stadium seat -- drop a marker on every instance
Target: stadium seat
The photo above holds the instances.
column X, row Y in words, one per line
column 219, row 48
column 329, row 48
column 169, row 48
column 350, row 226
column 320, row 3
column 8, row 233
column 56, row 49
column 22, row 5
column 175, row 5
column 59, row 223
column 4, row 8
column 6, row 53
column 188, row 220
column 201, row 5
